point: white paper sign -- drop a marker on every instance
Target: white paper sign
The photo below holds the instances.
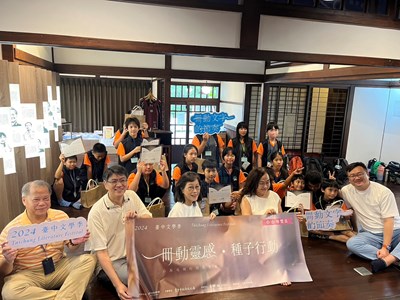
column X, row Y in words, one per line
column 154, row 142
column 9, row 162
column 293, row 200
column 108, row 132
column 72, row 147
column 151, row 156
column 219, row 196
column 46, row 232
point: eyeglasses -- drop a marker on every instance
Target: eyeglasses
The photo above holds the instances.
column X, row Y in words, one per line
column 115, row 181
column 358, row 175
column 192, row 188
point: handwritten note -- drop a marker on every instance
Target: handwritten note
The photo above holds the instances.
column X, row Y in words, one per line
column 72, row 147
column 219, row 196
column 151, row 156
column 293, row 200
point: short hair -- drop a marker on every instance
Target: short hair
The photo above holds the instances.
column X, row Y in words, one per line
column 131, row 120
column 99, row 148
column 354, row 165
column 209, row 164
column 329, row 183
column 71, row 157
column 297, row 176
column 26, row 189
column 272, row 125
column 313, row 177
column 117, row 170
column 227, row 150
column 185, row 179
column 253, row 180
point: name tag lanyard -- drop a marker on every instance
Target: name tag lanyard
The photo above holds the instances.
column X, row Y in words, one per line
column 47, row 263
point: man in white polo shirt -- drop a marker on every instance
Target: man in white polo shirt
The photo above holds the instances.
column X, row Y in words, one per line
column 377, row 214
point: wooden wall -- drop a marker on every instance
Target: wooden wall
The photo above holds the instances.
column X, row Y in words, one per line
column 33, row 84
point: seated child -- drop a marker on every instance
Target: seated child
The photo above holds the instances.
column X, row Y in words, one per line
column 147, row 183
column 229, row 174
column 330, row 190
column 95, row 163
column 297, row 184
column 67, row 184
column 210, row 173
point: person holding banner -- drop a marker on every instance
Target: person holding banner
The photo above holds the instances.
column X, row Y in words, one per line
column 187, row 197
column 106, row 222
column 209, row 146
column 377, row 213
column 43, row 271
column 258, row 197
column 147, row 183
column 129, row 149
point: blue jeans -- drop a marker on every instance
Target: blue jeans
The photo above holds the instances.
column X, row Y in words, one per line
column 365, row 244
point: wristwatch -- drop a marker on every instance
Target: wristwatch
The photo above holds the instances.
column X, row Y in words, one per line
column 388, row 247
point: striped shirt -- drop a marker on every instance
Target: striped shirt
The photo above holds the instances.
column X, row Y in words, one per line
column 31, row 258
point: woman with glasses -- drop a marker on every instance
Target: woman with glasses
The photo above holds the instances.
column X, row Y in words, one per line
column 187, row 197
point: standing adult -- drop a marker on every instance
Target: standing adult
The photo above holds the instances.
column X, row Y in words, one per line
column 377, row 213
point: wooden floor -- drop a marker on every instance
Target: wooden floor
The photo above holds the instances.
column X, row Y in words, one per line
column 331, row 268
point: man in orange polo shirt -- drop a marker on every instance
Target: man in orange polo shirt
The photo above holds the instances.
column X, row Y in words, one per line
column 43, row 272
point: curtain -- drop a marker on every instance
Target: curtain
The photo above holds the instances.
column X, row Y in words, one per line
column 91, row 103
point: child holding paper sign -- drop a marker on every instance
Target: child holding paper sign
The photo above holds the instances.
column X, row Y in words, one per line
column 187, row 196
column 67, row 184
column 330, row 190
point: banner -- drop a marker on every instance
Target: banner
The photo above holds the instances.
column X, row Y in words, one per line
column 185, row 256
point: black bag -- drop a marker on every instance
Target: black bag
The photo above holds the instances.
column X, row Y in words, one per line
column 313, row 164
column 393, row 169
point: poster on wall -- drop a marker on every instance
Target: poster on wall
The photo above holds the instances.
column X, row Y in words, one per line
column 14, row 128
column 9, row 162
column 207, row 256
column 15, row 95
column 32, row 130
column 5, row 141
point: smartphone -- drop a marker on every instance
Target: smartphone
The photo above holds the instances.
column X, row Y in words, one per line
column 363, row 271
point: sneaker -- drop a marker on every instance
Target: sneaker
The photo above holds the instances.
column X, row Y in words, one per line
column 64, row 203
column 77, row 205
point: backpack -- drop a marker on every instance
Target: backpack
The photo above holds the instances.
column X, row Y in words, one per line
column 373, row 173
column 295, row 163
column 313, row 164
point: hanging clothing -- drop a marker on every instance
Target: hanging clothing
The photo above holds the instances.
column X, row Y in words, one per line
column 152, row 111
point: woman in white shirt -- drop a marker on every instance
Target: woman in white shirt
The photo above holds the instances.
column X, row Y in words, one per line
column 258, row 197
column 187, row 194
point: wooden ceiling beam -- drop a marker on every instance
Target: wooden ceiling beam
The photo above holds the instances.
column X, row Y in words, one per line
column 176, row 49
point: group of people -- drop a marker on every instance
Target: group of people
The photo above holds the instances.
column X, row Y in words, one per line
column 129, row 189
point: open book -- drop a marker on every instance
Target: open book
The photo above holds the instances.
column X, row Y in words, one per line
column 151, row 155
column 72, row 147
column 219, row 196
column 293, row 200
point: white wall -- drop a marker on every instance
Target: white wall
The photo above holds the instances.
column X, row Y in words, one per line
column 296, row 35
column 108, row 58
column 122, row 21
column 374, row 127
column 232, row 97
column 391, row 139
column 39, row 51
